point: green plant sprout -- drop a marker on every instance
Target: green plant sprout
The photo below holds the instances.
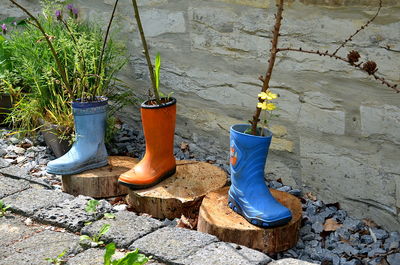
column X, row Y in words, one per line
column 131, row 258
column 109, row 216
column 96, row 238
column 91, row 206
column 157, row 67
column 3, row 208
column 58, row 260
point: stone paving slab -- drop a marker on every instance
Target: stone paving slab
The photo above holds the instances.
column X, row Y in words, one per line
column 71, row 214
column 95, row 256
column 13, row 229
column 9, row 186
column 172, row 245
column 221, row 253
column 125, row 228
column 29, row 201
column 291, row 262
column 35, row 249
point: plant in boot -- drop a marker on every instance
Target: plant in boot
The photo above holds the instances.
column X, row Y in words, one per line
column 248, row 195
column 85, row 86
column 158, row 120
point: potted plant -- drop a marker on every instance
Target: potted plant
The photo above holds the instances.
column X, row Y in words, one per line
column 249, row 196
column 85, row 86
column 158, row 120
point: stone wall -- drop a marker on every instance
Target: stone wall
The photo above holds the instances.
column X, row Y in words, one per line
column 338, row 131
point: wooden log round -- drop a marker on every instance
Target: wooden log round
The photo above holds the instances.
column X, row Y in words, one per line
column 100, row 182
column 218, row 219
column 180, row 194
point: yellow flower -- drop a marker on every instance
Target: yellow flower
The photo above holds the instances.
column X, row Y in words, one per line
column 267, row 95
column 266, row 106
column 270, row 106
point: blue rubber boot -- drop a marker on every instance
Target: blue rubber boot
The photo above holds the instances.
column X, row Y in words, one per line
column 249, row 196
column 88, row 150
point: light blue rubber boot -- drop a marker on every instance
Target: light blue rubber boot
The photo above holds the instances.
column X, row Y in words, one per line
column 88, row 150
column 249, row 196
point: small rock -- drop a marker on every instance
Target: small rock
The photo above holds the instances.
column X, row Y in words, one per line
column 20, row 159
column 18, row 150
column 120, row 207
column 318, row 227
column 393, row 259
column 3, row 152
column 380, row 234
column 4, row 163
column 284, row 189
column 13, row 140
column 28, row 221
column 296, row 192
column 375, row 251
column 352, row 224
column 366, row 239
column 275, row 184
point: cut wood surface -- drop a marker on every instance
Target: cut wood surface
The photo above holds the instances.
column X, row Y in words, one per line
column 181, row 193
column 100, row 182
column 218, row 219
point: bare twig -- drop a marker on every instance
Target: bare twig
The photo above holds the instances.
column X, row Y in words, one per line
column 356, row 65
column 360, row 29
column 146, row 51
column 271, row 63
column 61, row 69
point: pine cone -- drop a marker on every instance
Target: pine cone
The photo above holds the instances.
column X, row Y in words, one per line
column 353, row 57
column 369, row 67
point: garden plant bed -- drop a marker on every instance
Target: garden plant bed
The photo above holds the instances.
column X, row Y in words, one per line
column 22, row 162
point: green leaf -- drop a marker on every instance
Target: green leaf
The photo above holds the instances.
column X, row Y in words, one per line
column 110, row 250
column 85, row 237
column 157, row 70
column 104, row 229
column 62, row 254
column 91, row 206
column 109, row 216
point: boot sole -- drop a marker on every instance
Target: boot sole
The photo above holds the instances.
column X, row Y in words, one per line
column 85, row 168
column 140, row 187
column 254, row 221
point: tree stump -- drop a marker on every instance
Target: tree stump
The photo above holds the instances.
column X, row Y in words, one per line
column 100, row 182
column 181, row 193
column 218, row 219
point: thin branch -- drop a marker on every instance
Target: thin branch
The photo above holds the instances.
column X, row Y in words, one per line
column 104, row 44
column 360, row 29
column 271, row 63
column 61, row 69
column 358, row 65
column 146, row 51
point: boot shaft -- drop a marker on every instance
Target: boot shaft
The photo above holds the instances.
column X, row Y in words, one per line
column 159, row 126
column 248, row 155
column 90, row 119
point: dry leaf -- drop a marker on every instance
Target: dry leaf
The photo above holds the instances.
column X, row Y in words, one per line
column 310, row 196
column 184, row 223
column 184, row 146
column 369, row 223
column 331, row 225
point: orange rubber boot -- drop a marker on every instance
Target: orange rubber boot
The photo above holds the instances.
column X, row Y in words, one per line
column 158, row 162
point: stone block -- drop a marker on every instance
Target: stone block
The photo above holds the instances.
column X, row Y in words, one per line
column 125, row 228
column 160, row 21
column 9, row 186
column 319, row 114
column 12, row 229
column 221, row 253
column 46, row 244
column 71, row 214
column 250, row 3
column 381, row 120
column 173, row 245
column 30, row 201
column 346, row 172
column 278, row 144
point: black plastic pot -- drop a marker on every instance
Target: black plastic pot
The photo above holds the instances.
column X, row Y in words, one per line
column 53, row 140
column 5, row 106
